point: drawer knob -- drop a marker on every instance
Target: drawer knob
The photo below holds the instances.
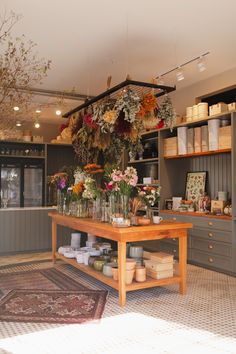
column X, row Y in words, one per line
column 210, row 234
column 174, row 250
column 174, row 219
column 210, row 223
column 210, row 247
column 210, row 260
column 174, row 239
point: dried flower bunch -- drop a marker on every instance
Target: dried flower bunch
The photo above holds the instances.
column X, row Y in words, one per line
column 61, row 180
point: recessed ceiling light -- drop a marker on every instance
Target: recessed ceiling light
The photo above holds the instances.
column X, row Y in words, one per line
column 38, row 111
column 18, row 124
column 58, row 112
column 37, row 125
column 16, row 108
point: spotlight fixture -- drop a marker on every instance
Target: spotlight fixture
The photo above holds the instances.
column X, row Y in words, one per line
column 58, row 112
column 18, row 124
column 37, row 125
column 16, row 108
column 201, row 65
column 38, row 111
column 179, row 74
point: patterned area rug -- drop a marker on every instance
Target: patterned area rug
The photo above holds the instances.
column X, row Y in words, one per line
column 48, row 295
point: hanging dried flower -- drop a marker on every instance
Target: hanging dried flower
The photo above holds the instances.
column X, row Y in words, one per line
column 88, row 120
column 167, row 112
column 129, row 104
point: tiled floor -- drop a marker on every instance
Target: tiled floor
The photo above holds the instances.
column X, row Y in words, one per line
column 157, row 320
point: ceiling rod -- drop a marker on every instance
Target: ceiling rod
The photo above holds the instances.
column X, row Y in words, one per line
column 54, row 93
column 180, row 66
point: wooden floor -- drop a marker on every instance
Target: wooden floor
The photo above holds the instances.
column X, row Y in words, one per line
column 24, row 257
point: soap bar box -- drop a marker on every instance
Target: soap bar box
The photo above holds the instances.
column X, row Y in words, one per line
column 161, row 257
column 160, row 274
column 158, row 266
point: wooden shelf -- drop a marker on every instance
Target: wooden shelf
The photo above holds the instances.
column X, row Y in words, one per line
column 149, row 132
column 149, row 283
column 153, row 159
column 204, row 120
column 23, row 156
column 195, row 154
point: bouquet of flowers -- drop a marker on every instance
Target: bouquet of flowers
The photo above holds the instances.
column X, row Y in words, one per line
column 77, row 190
column 123, row 182
column 90, row 189
column 149, row 195
column 61, row 180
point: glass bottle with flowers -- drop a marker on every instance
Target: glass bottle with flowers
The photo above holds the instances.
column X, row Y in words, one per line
column 150, row 196
column 61, row 181
column 76, row 199
column 124, row 183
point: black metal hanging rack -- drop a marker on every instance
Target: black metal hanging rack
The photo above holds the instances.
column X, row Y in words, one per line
column 138, row 86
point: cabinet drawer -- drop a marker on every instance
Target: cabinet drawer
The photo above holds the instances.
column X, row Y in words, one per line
column 211, row 223
column 212, row 247
column 214, row 261
column 175, row 241
column 211, row 234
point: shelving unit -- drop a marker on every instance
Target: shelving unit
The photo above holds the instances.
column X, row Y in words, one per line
column 52, row 157
column 196, row 154
column 212, row 241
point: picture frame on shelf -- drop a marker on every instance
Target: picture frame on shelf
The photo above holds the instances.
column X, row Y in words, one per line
column 195, row 185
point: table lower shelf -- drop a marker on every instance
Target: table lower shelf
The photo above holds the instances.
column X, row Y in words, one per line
column 149, row 283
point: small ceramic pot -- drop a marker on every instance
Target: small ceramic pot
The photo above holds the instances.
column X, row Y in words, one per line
column 98, row 264
column 136, row 251
column 107, row 269
column 144, row 221
column 130, row 263
column 129, row 275
column 115, row 273
column 140, row 274
column 91, row 261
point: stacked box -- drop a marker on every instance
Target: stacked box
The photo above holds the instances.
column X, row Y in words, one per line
column 225, row 137
column 170, row 146
column 190, row 141
column 218, row 108
column 160, row 265
column 205, row 141
column 232, row 106
column 197, row 139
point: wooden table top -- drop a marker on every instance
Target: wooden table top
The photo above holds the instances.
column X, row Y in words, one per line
column 166, row 229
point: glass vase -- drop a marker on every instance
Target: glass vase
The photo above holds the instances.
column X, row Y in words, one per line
column 82, row 208
column 97, row 209
column 60, row 201
column 149, row 213
column 114, row 206
column 125, row 205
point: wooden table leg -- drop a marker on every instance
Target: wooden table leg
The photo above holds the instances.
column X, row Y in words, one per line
column 183, row 262
column 122, row 268
column 54, row 241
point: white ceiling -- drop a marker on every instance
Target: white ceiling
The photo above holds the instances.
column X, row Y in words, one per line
column 89, row 40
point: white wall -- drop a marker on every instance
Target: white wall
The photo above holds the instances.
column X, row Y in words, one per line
column 186, row 96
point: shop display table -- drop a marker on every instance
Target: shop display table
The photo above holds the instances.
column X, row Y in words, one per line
column 166, row 229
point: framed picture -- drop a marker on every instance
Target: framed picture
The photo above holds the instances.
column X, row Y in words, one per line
column 195, row 185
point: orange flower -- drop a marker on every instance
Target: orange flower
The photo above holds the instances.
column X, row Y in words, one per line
column 78, row 188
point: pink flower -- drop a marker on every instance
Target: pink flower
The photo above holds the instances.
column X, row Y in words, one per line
column 109, row 186
column 133, row 181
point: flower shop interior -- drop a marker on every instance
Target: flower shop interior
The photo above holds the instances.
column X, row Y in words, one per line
column 117, row 177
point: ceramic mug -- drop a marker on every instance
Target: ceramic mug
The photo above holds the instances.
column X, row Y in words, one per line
column 157, row 219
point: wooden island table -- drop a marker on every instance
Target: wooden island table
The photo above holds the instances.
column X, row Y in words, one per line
column 166, row 229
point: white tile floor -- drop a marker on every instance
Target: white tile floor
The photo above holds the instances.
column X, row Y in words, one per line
column 157, row 320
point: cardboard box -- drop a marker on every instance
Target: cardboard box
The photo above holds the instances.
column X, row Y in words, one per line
column 217, row 206
column 158, row 266
column 225, row 137
column 160, row 274
column 218, row 108
column 146, row 255
column 232, row 106
column 161, row 257
column 170, row 146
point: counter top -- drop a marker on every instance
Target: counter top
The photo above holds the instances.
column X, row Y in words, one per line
column 28, row 208
column 196, row 214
